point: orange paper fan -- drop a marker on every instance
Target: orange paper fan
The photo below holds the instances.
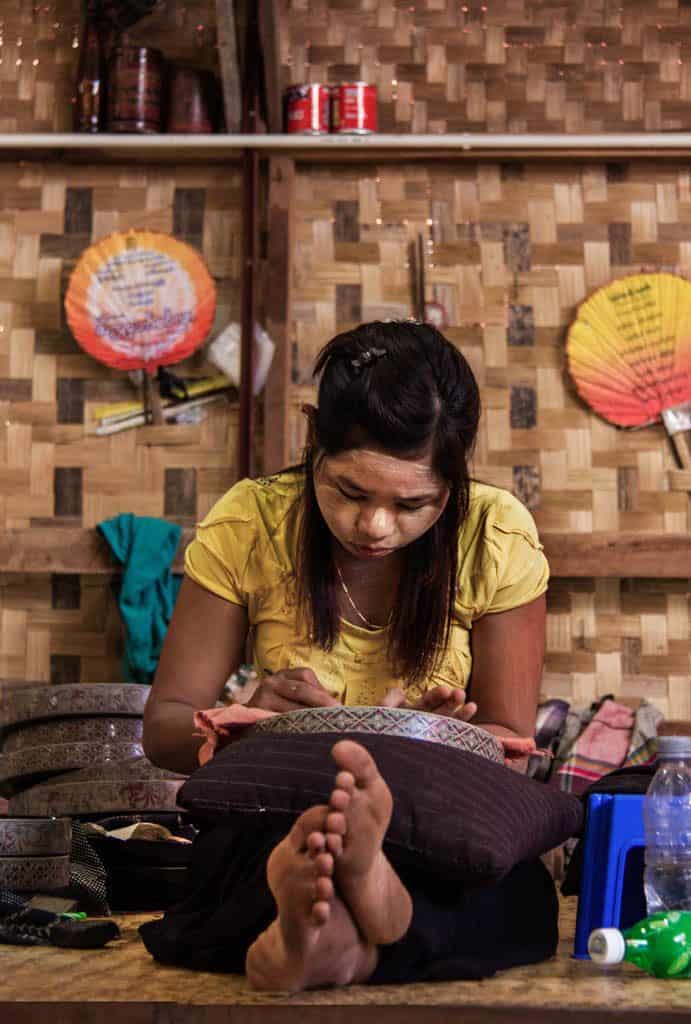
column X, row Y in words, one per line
column 139, row 300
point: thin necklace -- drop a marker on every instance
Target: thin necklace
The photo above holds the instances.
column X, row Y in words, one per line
column 370, row 625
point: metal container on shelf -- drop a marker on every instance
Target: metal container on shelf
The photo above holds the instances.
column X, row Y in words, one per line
column 307, row 109
column 135, row 89
column 354, row 108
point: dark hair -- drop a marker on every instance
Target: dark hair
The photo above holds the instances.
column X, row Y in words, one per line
column 402, row 386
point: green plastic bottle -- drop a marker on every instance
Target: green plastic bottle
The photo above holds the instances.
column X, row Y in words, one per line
column 659, row 944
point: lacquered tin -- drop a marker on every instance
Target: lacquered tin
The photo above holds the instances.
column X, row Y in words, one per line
column 135, row 89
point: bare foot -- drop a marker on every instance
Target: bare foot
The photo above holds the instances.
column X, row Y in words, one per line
column 314, row 940
column 360, row 812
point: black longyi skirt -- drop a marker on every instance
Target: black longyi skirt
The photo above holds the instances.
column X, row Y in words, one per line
column 456, row 932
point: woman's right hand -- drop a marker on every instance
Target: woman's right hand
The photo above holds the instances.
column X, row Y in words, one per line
column 291, row 689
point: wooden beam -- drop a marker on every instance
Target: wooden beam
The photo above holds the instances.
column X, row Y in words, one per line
column 46, row 550
column 619, row 555
column 278, row 304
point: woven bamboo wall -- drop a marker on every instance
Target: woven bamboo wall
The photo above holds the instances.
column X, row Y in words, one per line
column 53, row 470
column 511, row 250
column 516, row 65
column 440, row 65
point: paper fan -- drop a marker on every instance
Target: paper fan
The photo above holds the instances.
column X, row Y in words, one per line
column 140, row 300
column 629, row 353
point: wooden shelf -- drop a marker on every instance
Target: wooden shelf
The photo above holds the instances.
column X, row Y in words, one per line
column 46, row 550
column 179, row 149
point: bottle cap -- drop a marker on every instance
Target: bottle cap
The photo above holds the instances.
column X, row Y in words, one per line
column 674, row 746
column 606, row 946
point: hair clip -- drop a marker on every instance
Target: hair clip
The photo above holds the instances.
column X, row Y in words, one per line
column 367, row 357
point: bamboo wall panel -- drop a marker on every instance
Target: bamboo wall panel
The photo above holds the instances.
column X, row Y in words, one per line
column 630, row 638
column 53, row 470
column 511, row 250
column 59, row 629
column 519, row 66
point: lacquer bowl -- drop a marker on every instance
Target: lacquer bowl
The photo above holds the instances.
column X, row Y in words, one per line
column 34, row 703
column 416, row 725
column 35, row 837
column 112, row 787
column 34, row 874
column 19, row 766
column 88, row 729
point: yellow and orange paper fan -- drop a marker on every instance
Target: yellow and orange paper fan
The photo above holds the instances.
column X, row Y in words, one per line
column 140, row 300
column 629, row 351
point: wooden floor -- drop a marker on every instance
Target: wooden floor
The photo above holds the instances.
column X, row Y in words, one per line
column 121, row 984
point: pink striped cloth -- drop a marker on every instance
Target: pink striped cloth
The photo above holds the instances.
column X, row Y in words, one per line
column 219, row 726
column 601, row 747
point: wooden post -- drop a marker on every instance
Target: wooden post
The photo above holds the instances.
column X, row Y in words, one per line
column 279, row 313
column 269, row 22
column 250, row 212
column 229, row 63
column 248, row 312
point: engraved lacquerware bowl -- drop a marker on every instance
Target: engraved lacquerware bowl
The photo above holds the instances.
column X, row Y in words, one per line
column 379, row 721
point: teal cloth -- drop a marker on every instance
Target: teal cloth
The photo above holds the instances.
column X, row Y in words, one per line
column 146, row 548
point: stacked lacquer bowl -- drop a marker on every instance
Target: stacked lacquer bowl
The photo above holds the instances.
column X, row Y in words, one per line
column 70, row 751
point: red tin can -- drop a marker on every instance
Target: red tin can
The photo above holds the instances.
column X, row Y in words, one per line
column 307, row 109
column 354, row 108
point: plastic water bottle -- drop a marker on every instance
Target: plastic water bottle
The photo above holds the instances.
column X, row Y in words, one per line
column 659, row 944
column 667, row 821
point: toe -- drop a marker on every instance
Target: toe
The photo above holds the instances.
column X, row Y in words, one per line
column 339, row 800
column 316, row 842
column 345, row 781
column 321, row 911
column 324, row 864
column 311, row 820
column 334, row 844
column 353, row 758
column 324, row 890
column 336, row 824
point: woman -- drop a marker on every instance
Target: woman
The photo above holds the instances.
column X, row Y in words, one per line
column 374, row 573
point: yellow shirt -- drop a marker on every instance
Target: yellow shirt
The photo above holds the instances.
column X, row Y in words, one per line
column 245, row 549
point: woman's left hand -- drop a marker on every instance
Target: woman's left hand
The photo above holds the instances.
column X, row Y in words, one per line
column 439, row 700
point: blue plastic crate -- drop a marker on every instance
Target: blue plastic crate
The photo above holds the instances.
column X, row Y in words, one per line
column 612, row 893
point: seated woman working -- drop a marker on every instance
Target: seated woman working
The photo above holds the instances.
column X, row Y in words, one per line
column 376, row 573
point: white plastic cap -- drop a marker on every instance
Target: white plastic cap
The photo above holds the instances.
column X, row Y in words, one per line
column 672, row 747
column 606, row 946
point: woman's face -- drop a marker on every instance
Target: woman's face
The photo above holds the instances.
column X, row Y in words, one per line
column 376, row 503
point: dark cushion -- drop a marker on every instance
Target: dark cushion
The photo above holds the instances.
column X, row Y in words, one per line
column 455, row 813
